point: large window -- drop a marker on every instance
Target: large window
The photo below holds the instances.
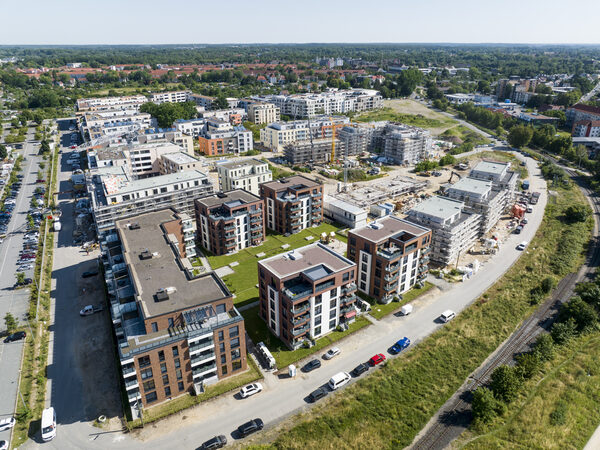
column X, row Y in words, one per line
column 234, row 331
column 234, row 343
column 149, row 385
column 165, row 379
column 146, row 373
column 175, row 351
column 235, row 354
column 151, row 397
column 236, row 365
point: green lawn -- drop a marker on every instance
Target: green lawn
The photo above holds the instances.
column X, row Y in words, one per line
column 379, row 311
column 258, row 332
column 416, row 120
column 243, row 282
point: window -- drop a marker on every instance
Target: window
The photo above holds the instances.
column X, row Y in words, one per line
column 167, row 391
column 378, row 263
column 333, row 293
column 148, row 385
column 177, row 363
column 234, row 331
column 178, row 374
column 346, row 276
column 378, row 272
column 363, row 267
column 318, row 310
column 363, row 286
column 332, row 324
column 161, row 356
column 175, row 351
column 144, row 361
column 376, row 292
column 221, row 308
column 363, row 276
column 224, row 370
column 170, row 322
column 332, row 304
column 318, row 320
column 234, row 343
column 223, row 359
column 146, row 373
column 163, row 367
column 222, row 347
column 236, row 365
column 352, row 241
column 180, row 386
column 365, row 258
column 165, row 379
column 151, row 397
column 317, row 331
column 318, row 299
column 332, row 313
column 235, row 354
column 221, row 335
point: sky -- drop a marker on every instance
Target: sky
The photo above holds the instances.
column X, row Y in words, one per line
column 60, row 22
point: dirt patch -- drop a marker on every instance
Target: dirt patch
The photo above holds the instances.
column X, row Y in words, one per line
column 406, row 106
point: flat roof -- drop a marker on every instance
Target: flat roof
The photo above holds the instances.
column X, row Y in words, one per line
column 472, row 185
column 346, row 206
column 244, row 163
column 441, row 207
column 306, row 259
column 180, row 158
column 388, row 227
column 161, row 180
column 238, row 195
column 164, row 270
column 293, row 181
column 495, row 167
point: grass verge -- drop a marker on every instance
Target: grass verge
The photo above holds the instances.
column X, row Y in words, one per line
column 410, row 389
column 380, row 311
column 258, row 332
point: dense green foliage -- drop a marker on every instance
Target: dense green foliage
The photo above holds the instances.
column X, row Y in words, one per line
column 167, row 113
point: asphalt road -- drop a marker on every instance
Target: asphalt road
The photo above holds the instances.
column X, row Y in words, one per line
column 281, row 397
column 15, row 301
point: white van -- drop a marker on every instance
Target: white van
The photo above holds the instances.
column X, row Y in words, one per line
column 48, row 424
column 447, row 316
column 338, row 380
column 406, row 309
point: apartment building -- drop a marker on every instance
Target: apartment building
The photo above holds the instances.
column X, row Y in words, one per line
column 108, row 103
column 355, row 140
column 577, row 113
column 170, row 97
column 586, row 128
column 94, row 125
column 247, row 174
column 499, row 174
column 403, row 144
column 176, row 332
column 231, row 221
column 317, row 151
column 116, row 194
column 165, row 136
column 344, row 212
column 454, row 229
column 233, row 116
column 279, row 134
column 391, row 255
column 259, row 113
column 306, row 293
column 192, row 127
column 203, row 101
column 178, row 162
column 292, row 203
column 215, row 143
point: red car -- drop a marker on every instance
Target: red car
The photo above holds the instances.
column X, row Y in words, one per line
column 377, row 359
column 73, row 146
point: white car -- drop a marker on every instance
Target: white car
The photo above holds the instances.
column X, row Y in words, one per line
column 332, row 352
column 251, row 389
column 529, row 209
column 3, row 445
column 24, row 267
column 87, row 311
column 522, row 246
column 7, row 424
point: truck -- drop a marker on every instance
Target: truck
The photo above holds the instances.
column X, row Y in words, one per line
column 525, row 184
column 535, row 196
column 90, row 309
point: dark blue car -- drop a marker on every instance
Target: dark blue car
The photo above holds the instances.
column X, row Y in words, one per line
column 400, row 345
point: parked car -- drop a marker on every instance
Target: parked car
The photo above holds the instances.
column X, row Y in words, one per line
column 7, row 424
column 360, row 369
column 90, row 309
column 15, row 336
column 377, row 359
column 3, row 445
column 529, row 209
column 332, row 352
column 447, row 316
column 400, row 345
column 89, row 273
column 317, row 394
column 338, row 380
column 216, row 442
column 519, row 229
column 311, row 365
column 25, row 267
column 522, row 246
column 250, row 427
column 25, row 282
column 524, row 222
column 251, row 389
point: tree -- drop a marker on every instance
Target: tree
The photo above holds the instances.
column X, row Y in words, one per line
column 3, row 152
column 584, row 315
column 562, row 332
column 221, row 102
column 520, row 135
column 547, row 284
column 505, row 383
column 485, row 405
column 20, row 277
column 528, row 364
column 578, row 213
column 44, row 146
column 447, row 160
column 11, row 322
column 589, row 293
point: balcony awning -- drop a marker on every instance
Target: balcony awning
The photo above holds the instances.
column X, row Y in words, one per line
column 350, row 314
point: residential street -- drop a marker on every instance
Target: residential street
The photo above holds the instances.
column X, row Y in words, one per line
column 281, row 397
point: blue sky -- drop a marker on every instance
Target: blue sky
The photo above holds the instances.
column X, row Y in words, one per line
column 244, row 21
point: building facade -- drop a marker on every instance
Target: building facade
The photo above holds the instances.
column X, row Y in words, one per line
column 403, row 144
column 344, row 212
column 170, row 97
column 178, row 162
column 215, row 143
column 577, row 113
column 232, row 221
column 306, row 293
column 279, row 134
column 247, row 174
column 391, row 255
column 315, row 151
column 292, row 204
column 586, row 128
column 259, row 113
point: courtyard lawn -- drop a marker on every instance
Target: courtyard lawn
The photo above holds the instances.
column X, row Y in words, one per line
column 258, row 332
column 380, row 311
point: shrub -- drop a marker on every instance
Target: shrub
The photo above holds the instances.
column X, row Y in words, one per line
column 505, row 383
column 562, row 332
column 559, row 415
column 485, row 405
column 544, row 347
column 528, row 364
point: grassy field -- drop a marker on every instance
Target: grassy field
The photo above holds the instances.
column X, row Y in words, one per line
column 389, row 407
column 187, row 401
column 570, row 382
column 380, row 311
column 466, row 135
column 417, row 120
column 258, row 332
column 243, row 282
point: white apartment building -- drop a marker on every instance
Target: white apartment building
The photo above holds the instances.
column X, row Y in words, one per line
column 186, row 142
column 343, row 212
column 94, row 125
column 193, row 127
column 279, row 134
column 247, row 175
column 178, row 162
column 259, row 113
column 145, row 159
column 233, row 115
column 170, row 97
column 107, row 103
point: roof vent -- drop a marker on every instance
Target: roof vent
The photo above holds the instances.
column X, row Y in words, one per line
column 146, row 254
column 221, row 195
column 293, row 255
column 162, row 296
column 134, row 226
column 377, row 226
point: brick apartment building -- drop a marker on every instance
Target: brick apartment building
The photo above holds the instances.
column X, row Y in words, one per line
column 292, row 203
column 391, row 256
column 176, row 332
column 306, row 293
column 228, row 222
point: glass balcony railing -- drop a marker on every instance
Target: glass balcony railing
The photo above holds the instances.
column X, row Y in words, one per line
column 391, row 267
column 301, row 319
column 389, row 253
column 301, row 330
column 301, row 308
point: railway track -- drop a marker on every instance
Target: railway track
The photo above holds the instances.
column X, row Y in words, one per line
column 456, row 414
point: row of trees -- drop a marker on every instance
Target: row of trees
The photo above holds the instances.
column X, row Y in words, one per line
column 167, row 113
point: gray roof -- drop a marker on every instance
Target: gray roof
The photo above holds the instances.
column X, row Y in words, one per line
column 243, row 163
column 161, row 180
column 238, row 195
column 351, row 208
column 472, row 185
column 310, row 259
column 164, row 270
column 180, row 158
column 293, row 181
column 389, row 226
column 441, row 207
column 494, row 167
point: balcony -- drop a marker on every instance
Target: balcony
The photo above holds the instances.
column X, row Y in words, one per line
column 301, row 319
column 295, row 208
column 229, row 227
column 132, row 384
column 256, row 219
column 203, row 357
column 296, row 215
column 423, row 268
column 391, row 277
column 229, row 235
column 389, row 253
column 199, row 346
column 424, row 260
column 316, row 209
column 348, row 288
column 317, row 195
column 425, row 251
column 301, row 330
column 326, row 285
column 391, row 267
column 256, row 227
column 346, row 309
column 202, row 370
column 389, row 287
column 256, row 235
column 128, row 371
column 300, row 309
column 348, row 299
column 298, row 291
column 296, row 220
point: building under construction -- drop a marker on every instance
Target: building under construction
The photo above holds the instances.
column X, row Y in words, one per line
column 384, row 190
column 315, row 151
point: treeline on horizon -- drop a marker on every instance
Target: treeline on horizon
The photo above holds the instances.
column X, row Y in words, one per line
column 499, row 59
